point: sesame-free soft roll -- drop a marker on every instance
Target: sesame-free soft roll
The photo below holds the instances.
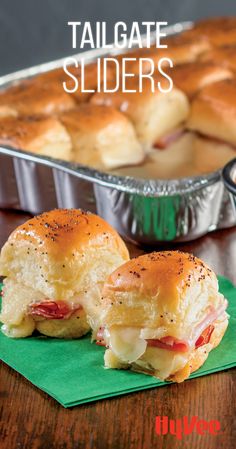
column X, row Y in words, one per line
column 34, row 98
column 219, row 31
column 192, row 77
column 102, row 137
column 179, row 49
column 224, row 56
column 154, row 114
column 213, row 113
column 37, row 134
column 55, row 266
column 161, row 314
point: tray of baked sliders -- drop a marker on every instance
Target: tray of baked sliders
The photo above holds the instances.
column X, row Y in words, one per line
column 150, row 164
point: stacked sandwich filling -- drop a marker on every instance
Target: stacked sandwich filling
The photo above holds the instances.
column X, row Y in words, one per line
column 161, row 313
column 54, row 275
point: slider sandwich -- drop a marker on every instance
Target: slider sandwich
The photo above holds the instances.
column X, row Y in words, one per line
column 161, row 314
column 55, row 266
column 213, row 118
column 42, row 135
column 34, row 98
column 192, row 77
column 102, row 137
column 218, row 31
column 156, row 115
column 179, row 50
column 224, row 56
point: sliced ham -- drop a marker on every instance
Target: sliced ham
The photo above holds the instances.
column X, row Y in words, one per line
column 53, row 310
column 167, row 140
column 170, row 343
column 212, row 316
column 201, row 335
column 100, row 337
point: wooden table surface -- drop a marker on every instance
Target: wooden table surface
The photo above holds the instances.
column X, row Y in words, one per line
column 30, row 419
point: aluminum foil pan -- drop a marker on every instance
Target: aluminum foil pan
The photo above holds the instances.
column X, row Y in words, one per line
column 143, row 211
column 229, row 178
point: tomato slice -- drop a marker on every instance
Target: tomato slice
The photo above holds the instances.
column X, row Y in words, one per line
column 204, row 337
column 51, row 310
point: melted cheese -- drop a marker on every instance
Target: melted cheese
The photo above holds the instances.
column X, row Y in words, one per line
column 127, row 346
column 126, row 343
column 15, row 305
column 24, row 329
column 162, row 362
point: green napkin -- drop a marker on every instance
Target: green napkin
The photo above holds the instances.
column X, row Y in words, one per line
column 71, row 371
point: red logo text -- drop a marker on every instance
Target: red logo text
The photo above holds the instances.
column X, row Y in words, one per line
column 186, row 426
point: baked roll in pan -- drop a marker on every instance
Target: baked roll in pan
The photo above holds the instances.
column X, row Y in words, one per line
column 102, row 137
column 213, row 112
column 34, row 98
column 219, row 31
column 41, row 135
column 191, row 78
column 153, row 114
column 224, row 56
column 180, row 50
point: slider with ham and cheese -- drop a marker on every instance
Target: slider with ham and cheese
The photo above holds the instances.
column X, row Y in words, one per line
column 102, row 137
column 34, row 98
column 224, row 56
column 157, row 116
column 161, row 314
column 179, row 49
column 55, row 266
column 37, row 134
column 213, row 118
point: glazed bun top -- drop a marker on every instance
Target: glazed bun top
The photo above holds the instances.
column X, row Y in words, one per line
column 59, row 252
column 213, row 111
column 34, row 98
column 168, row 291
column 62, row 231
column 165, row 274
column 23, row 132
column 224, row 56
column 219, row 31
column 192, row 77
column 92, row 118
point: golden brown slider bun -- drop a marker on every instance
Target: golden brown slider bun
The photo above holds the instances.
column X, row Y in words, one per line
column 102, row 137
column 213, row 111
column 158, row 311
column 192, row 77
column 153, row 114
column 56, row 264
column 210, row 154
column 59, row 76
column 224, row 56
column 219, row 31
column 41, row 135
column 179, row 49
column 32, row 97
column 182, row 49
